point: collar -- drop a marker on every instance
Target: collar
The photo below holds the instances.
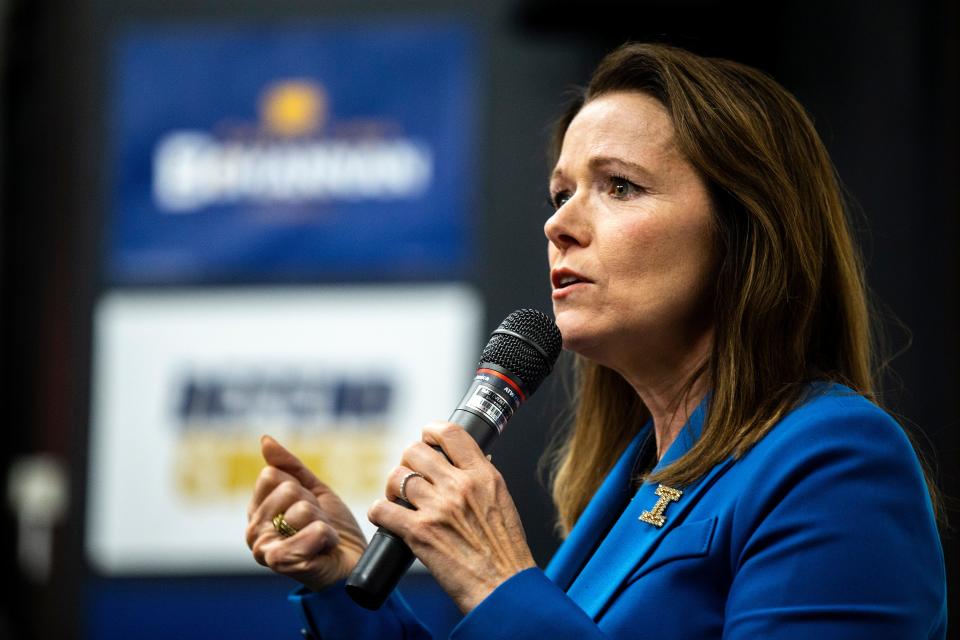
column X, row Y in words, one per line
column 630, row 541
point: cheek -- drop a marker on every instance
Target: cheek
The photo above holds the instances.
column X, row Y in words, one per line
column 689, row 268
column 661, row 258
column 633, row 249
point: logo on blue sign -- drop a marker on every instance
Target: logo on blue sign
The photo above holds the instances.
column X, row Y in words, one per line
column 289, row 157
column 293, row 154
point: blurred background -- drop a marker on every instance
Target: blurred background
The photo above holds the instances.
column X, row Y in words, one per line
column 222, row 219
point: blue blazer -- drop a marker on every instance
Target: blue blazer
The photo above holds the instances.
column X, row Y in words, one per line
column 823, row 530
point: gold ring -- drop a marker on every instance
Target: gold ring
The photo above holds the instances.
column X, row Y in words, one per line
column 282, row 526
column 403, row 483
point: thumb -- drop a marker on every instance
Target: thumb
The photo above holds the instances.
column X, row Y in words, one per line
column 277, row 456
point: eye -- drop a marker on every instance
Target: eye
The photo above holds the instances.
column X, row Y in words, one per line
column 558, row 199
column 623, row 189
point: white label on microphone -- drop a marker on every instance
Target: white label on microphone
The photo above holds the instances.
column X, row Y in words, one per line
column 497, row 409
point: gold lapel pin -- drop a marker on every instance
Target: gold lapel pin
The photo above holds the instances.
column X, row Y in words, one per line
column 667, row 495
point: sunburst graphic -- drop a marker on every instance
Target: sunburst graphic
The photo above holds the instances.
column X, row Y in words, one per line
column 293, row 107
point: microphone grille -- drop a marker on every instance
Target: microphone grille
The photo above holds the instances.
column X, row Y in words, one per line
column 531, row 353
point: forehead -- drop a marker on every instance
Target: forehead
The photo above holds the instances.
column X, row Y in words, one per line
column 630, row 125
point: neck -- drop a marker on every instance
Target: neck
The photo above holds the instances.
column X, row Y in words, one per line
column 664, row 389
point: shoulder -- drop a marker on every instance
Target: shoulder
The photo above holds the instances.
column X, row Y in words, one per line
column 833, row 423
column 829, row 515
column 833, row 500
column 824, row 403
column 835, row 455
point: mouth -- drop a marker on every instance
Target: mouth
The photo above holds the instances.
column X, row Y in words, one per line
column 563, row 278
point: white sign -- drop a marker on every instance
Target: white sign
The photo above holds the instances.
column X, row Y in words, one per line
column 186, row 382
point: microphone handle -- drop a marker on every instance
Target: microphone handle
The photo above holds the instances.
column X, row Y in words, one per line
column 483, row 413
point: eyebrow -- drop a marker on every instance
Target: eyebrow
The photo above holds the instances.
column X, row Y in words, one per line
column 600, row 162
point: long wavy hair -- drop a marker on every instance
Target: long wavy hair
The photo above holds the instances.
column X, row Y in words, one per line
column 790, row 303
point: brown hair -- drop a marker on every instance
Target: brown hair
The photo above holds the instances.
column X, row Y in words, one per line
column 790, row 276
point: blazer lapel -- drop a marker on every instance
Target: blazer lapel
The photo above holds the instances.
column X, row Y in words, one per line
column 632, row 540
column 603, row 508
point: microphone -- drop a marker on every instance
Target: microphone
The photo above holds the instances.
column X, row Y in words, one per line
column 519, row 355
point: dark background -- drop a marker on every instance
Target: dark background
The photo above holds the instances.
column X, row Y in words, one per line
column 879, row 78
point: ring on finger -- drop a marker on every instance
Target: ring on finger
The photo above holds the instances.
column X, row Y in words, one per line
column 282, row 526
column 403, row 484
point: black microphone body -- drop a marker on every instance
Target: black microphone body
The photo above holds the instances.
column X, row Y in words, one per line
column 519, row 355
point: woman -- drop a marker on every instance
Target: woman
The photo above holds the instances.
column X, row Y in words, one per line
column 727, row 473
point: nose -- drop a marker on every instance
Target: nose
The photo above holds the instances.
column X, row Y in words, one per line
column 567, row 226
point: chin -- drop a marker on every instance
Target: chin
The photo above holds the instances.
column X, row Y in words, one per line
column 595, row 336
column 579, row 334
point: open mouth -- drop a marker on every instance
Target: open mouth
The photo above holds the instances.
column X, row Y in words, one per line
column 563, row 278
column 566, row 281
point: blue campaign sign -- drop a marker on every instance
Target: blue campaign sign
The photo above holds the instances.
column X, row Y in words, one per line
column 333, row 152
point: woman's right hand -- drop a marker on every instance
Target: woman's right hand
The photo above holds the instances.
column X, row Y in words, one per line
column 328, row 541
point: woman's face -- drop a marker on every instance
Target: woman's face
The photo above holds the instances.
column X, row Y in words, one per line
column 631, row 250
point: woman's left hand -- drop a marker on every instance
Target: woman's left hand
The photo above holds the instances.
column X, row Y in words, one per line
column 465, row 529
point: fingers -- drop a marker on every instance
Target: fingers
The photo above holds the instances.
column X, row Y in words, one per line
column 268, row 480
column 392, row 517
column 298, row 514
column 420, row 456
column 282, row 498
column 412, row 488
column 276, row 455
column 282, row 467
column 289, row 554
column 463, row 454
column 459, row 446
column 301, row 514
column 289, row 498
